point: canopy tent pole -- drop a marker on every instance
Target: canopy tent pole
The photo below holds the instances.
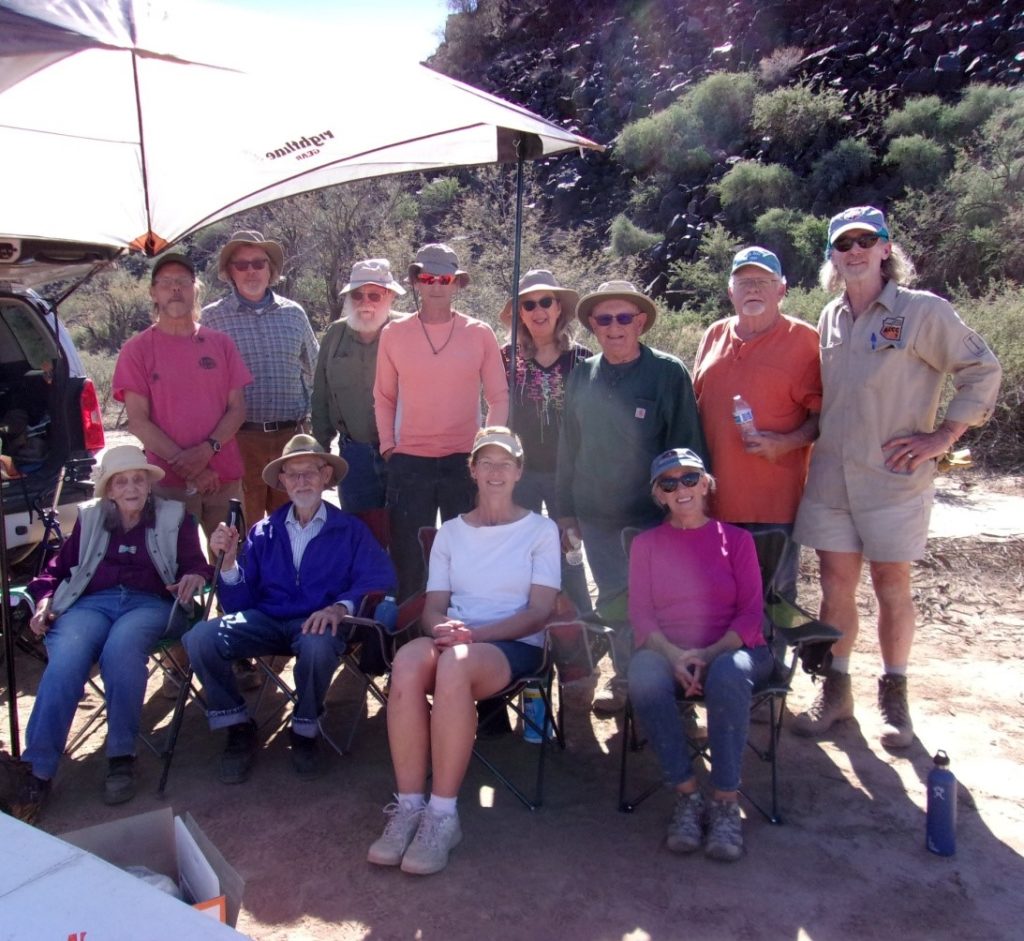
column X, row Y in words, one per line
column 516, row 257
column 6, row 626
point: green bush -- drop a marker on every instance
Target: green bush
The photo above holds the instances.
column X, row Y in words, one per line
column 922, row 116
column 919, row 162
column 798, row 120
column 700, row 287
column 805, row 303
column 797, row 238
column 930, row 117
column 677, row 332
column 722, row 105
column 845, row 165
column 99, row 367
column 438, row 195
column 751, row 188
column 629, row 239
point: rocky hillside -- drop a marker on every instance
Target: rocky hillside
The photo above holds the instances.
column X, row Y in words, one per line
column 595, row 65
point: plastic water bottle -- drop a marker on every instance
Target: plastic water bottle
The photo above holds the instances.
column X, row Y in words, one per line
column 386, row 613
column 743, row 416
column 574, row 556
column 533, row 709
column 941, row 825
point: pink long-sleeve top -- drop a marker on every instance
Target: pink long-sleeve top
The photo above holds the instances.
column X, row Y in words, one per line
column 693, row 585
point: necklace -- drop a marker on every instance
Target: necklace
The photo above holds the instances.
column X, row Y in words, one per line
column 436, row 350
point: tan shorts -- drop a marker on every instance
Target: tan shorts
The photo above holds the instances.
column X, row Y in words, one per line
column 890, row 533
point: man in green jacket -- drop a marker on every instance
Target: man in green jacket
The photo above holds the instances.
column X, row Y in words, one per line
column 623, row 407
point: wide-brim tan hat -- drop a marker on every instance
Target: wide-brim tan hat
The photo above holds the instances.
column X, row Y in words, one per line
column 125, row 457
column 620, row 291
column 249, row 237
column 540, row 279
column 305, row 446
column 372, row 271
column 438, row 258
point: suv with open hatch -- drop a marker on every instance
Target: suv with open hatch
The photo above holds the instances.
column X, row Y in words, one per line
column 50, row 422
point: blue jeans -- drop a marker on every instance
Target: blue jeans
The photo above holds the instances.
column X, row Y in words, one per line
column 536, row 489
column 728, row 686
column 419, row 488
column 214, row 645
column 365, row 486
column 118, row 628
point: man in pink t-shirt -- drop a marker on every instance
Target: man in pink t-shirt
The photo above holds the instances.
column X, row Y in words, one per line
column 431, row 370
column 181, row 384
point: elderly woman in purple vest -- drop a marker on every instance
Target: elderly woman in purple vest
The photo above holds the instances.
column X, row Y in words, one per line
column 108, row 597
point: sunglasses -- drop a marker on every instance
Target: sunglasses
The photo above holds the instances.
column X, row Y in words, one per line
column 544, row 302
column 374, row 297
column 168, row 283
column 605, row 320
column 434, row 278
column 257, row 264
column 845, row 242
column 671, row 484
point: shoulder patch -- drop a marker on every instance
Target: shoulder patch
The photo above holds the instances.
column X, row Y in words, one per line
column 975, row 344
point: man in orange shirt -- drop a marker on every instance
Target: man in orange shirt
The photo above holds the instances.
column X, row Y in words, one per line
column 431, row 369
column 771, row 361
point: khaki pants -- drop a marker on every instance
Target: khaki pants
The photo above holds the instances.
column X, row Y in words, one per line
column 210, row 509
column 258, row 449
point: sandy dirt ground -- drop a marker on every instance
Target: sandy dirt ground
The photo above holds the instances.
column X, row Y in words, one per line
column 848, row 861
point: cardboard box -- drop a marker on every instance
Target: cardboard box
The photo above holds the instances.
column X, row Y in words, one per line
column 72, row 886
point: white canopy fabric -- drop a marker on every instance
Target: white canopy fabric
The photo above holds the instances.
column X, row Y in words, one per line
column 130, row 124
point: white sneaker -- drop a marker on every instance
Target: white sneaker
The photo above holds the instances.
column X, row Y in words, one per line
column 401, row 827
column 436, row 837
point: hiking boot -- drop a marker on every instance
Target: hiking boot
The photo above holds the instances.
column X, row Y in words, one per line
column 239, row 753
column 390, row 847
column 833, row 704
column 612, row 699
column 725, row 831
column 30, row 797
column 685, row 830
column 120, row 783
column 897, row 728
column 306, row 757
column 435, row 838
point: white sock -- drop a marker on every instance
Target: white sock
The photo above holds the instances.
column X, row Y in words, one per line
column 412, row 801
column 841, row 664
column 894, row 671
column 442, row 806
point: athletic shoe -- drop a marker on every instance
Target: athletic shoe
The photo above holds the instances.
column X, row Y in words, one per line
column 725, row 831
column 436, row 837
column 390, row 847
column 685, row 829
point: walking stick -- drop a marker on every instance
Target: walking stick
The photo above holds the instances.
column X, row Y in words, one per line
column 234, row 518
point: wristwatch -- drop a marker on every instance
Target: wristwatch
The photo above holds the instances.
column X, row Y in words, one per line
column 213, row 443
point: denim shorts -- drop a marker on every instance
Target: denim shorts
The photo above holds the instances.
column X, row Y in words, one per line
column 523, row 659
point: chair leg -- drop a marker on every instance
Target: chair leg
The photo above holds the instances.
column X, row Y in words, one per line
column 631, row 742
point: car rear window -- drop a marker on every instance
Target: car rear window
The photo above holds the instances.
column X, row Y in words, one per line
column 24, row 337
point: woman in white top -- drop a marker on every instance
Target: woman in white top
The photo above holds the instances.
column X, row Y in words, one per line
column 494, row 575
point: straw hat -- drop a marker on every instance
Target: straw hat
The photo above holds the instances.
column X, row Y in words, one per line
column 304, row 446
column 539, row 279
column 249, row 237
column 125, row 457
column 616, row 290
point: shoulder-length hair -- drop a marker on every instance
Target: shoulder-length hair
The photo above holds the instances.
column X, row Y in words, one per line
column 897, row 267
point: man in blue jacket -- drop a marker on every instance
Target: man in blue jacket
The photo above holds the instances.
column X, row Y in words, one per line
column 302, row 570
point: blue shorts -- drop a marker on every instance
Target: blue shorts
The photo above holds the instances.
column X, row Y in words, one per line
column 523, row 659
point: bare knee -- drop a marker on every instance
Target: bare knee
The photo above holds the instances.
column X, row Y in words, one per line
column 414, row 667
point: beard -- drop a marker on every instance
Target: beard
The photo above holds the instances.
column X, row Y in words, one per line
column 357, row 323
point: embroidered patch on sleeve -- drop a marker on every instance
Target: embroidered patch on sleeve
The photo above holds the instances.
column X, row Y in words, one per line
column 975, row 344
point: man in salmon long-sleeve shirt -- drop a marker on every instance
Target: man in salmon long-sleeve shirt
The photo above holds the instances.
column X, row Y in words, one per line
column 431, row 369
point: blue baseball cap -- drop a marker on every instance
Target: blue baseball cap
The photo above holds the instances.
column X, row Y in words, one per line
column 757, row 256
column 859, row 217
column 677, row 457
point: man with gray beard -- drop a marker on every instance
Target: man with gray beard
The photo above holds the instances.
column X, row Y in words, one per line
column 343, row 383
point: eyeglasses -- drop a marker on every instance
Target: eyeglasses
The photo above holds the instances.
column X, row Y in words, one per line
column 169, row 283
column 605, row 320
column 303, row 477
column 671, row 484
column 544, row 302
column 374, row 297
column 422, row 278
column 257, row 264
column 845, row 242
column 506, row 467
column 753, row 284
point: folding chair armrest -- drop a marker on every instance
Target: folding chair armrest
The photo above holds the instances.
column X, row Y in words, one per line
column 813, row 631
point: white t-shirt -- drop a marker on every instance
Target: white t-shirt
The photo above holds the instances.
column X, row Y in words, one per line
column 489, row 569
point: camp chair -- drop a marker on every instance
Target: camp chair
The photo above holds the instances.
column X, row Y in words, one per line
column 806, row 640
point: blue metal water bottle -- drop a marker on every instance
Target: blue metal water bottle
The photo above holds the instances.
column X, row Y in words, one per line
column 386, row 613
column 941, row 826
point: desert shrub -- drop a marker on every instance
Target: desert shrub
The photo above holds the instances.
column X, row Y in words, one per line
column 797, row 238
column 677, row 332
column 99, row 367
column 845, row 165
column 108, row 310
column 928, row 116
column 630, row 239
column 722, row 105
column 751, row 188
column 919, row 162
column 699, row 287
column 922, row 116
column 798, row 119
column 805, row 303
column 439, row 194
column 775, row 69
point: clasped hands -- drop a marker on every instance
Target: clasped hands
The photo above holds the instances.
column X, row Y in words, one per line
column 449, row 633
column 689, row 667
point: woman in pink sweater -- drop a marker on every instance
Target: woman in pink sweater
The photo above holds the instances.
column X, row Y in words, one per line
column 696, row 607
